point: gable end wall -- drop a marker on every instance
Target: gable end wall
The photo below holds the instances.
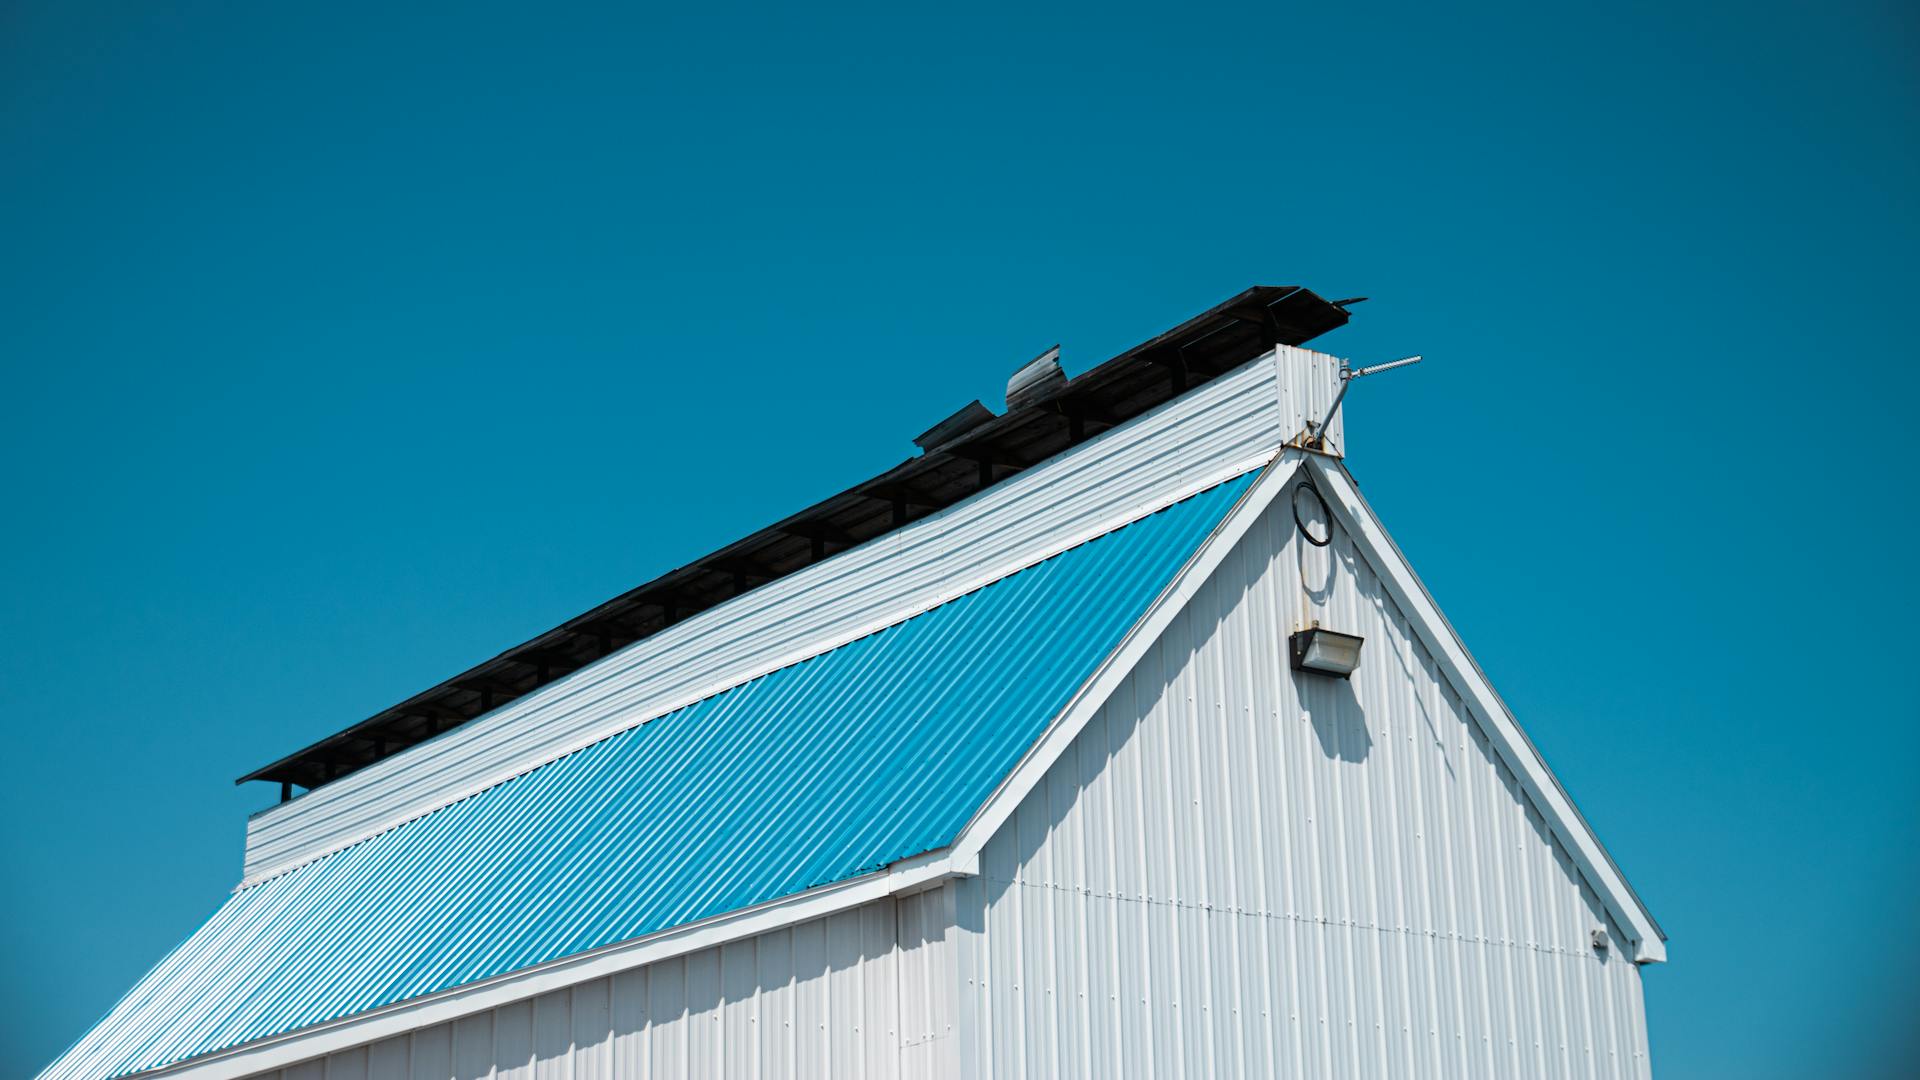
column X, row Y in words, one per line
column 1239, row 871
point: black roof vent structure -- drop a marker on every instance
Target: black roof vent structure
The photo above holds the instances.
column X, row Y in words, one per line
column 961, row 456
column 970, row 416
column 1036, row 381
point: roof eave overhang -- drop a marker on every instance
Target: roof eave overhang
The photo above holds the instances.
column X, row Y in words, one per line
column 1457, row 664
column 265, row 1055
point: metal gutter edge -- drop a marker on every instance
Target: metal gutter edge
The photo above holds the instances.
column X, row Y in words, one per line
column 250, row 1059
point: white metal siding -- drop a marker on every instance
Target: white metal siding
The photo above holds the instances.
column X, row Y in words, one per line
column 1187, row 444
column 860, row 994
column 1240, row 872
column 1235, row 871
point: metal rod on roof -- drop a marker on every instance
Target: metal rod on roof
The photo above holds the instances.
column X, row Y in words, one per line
column 1347, row 375
column 1388, row 366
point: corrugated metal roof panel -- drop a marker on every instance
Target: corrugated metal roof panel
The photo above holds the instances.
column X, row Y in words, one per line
column 819, row 772
column 1206, row 436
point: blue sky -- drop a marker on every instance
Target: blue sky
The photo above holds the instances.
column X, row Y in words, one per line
column 345, row 346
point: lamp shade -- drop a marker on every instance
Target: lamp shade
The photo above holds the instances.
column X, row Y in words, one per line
column 1327, row 652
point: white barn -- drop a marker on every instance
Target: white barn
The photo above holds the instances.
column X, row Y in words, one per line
column 1006, row 763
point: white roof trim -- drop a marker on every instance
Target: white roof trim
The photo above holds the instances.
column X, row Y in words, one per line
column 952, row 589
column 1054, row 742
column 360, row 1029
column 1457, row 664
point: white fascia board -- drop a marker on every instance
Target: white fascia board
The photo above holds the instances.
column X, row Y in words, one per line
column 264, row 1055
column 1059, row 736
column 1219, row 430
column 1460, row 669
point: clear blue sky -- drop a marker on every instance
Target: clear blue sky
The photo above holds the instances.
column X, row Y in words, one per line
column 344, row 346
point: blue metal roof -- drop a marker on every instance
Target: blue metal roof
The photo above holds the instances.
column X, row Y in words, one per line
column 822, row 771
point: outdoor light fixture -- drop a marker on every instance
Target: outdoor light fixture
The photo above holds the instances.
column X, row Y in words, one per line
column 1325, row 651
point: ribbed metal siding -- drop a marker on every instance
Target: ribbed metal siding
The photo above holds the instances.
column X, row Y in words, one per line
column 1141, row 465
column 831, row 998
column 816, row 773
column 1237, row 871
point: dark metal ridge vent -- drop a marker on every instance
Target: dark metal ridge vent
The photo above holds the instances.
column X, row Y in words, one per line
column 977, row 456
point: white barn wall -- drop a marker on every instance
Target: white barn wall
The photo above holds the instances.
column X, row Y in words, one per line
column 1235, row 871
column 860, row 994
column 1190, row 443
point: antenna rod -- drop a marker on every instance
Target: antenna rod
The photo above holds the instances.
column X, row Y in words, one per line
column 1388, row 366
column 1347, row 375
